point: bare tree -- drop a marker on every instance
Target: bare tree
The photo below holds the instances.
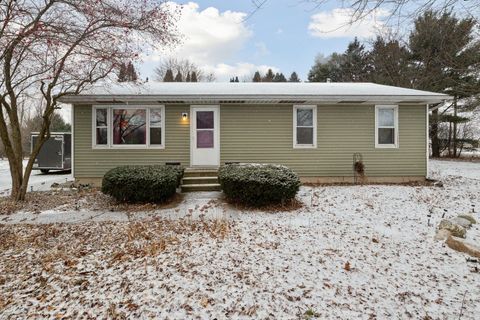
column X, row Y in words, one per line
column 184, row 67
column 398, row 10
column 52, row 48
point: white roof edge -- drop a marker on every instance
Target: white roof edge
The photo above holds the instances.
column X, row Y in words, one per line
column 153, row 91
column 309, row 98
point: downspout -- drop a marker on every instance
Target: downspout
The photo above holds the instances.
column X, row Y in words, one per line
column 427, row 137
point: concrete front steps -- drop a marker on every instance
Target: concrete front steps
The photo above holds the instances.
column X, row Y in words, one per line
column 199, row 179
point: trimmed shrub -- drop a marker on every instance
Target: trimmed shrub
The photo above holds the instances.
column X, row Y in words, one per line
column 258, row 184
column 142, row 183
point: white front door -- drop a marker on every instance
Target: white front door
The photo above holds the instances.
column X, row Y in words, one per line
column 204, row 133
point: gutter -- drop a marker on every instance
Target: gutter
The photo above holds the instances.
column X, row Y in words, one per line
column 233, row 99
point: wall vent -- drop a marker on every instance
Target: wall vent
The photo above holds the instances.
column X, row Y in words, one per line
column 171, row 102
column 292, row 101
column 351, row 101
column 231, row 101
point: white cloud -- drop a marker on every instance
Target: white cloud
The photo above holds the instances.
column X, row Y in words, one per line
column 337, row 24
column 242, row 70
column 207, row 36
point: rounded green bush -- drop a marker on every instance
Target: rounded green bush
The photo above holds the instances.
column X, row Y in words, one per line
column 258, row 184
column 142, row 183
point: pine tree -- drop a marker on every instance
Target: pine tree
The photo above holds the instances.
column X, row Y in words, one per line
column 279, row 77
column 178, row 77
column 193, row 77
column 269, row 76
column 257, row 77
column 236, row 79
column 131, row 73
column 294, row 77
column 188, row 79
column 168, row 76
column 390, row 63
column 444, row 51
column 122, row 73
column 354, row 65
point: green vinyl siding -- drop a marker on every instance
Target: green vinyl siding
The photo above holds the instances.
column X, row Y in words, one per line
column 264, row 133
column 90, row 162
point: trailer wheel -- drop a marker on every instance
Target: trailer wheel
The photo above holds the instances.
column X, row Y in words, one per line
column 44, row 170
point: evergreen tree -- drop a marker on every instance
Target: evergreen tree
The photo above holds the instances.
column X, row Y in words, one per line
column 354, row 67
column 257, row 77
column 236, row 79
column 279, row 77
column 178, row 77
column 294, row 77
column 446, row 54
column 131, row 72
column 188, row 79
column 269, row 76
column 122, row 73
column 193, row 77
column 390, row 63
column 168, row 76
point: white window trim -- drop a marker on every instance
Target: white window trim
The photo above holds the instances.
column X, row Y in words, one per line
column 94, row 128
column 110, row 144
column 305, row 146
column 387, row 146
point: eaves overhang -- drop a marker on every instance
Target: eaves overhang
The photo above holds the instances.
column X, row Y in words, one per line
column 255, row 99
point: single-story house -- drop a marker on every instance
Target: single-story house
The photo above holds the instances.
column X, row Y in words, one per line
column 313, row 128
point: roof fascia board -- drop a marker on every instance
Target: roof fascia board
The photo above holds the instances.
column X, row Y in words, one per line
column 309, row 98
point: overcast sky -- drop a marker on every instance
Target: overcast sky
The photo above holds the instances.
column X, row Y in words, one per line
column 286, row 35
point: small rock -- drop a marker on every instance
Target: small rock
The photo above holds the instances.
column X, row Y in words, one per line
column 461, row 222
column 468, row 217
column 455, row 229
column 463, row 246
column 442, row 235
column 438, row 184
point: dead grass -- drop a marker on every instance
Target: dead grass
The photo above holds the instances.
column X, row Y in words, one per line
column 75, row 200
column 57, row 247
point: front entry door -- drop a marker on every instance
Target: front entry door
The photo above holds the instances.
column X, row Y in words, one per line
column 205, row 142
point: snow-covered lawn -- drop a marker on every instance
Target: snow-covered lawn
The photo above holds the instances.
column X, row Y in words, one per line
column 352, row 252
column 38, row 181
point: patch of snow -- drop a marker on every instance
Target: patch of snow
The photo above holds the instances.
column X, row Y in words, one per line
column 352, row 252
column 37, row 182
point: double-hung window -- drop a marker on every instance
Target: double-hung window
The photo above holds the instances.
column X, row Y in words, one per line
column 386, row 126
column 101, row 126
column 304, row 126
column 128, row 127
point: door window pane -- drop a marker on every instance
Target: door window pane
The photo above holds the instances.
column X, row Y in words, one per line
column 386, row 136
column 305, row 136
column 204, row 139
column 304, row 117
column 205, row 120
column 386, row 117
column 129, row 126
